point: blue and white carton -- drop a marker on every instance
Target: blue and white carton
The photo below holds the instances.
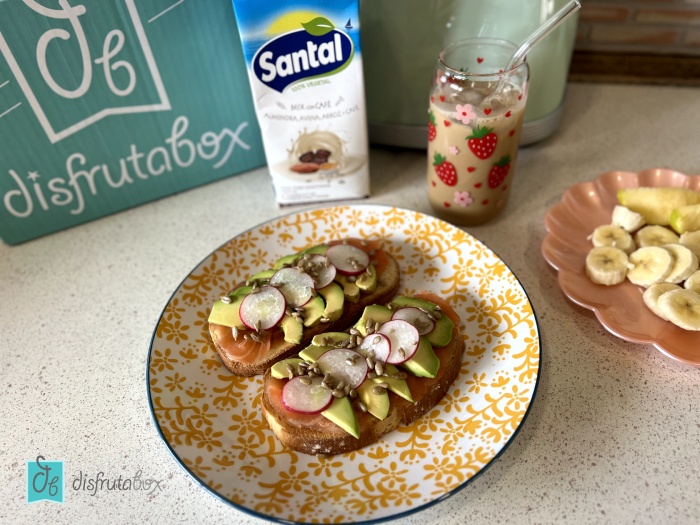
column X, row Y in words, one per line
column 305, row 71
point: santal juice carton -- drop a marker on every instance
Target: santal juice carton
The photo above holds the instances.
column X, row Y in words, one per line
column 305, row 72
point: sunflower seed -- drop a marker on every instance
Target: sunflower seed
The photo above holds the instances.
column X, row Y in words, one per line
column 379, row 369
column 361, row 406
column 234, row 333
column 306, row 380
column 225, row 299
column 378, row 390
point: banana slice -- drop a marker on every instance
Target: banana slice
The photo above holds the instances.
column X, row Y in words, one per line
column 649, row 265
column 606, row 265
column 627, row 219
column 691, row 240
column 693, row 282
column 685, row 264
column 611, row 235
column 682, row 308
column 651, row 297
column 655, row 236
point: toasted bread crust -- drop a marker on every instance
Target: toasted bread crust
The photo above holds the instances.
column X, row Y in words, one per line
column 337, row 441
column 387, row 286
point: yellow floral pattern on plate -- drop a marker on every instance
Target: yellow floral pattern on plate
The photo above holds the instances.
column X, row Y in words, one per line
column 212, row 420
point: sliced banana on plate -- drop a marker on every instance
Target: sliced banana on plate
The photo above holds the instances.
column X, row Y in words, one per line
column 606, row 265
column 655, row 236
column 611, row 235
column 685, row 263
column 627, row 219
column 682, row 308
column 693, row 282
column 651, row 297
column 691, row 240
column 649, row 265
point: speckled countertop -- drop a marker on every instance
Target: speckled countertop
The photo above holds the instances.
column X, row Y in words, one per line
column 612, row 436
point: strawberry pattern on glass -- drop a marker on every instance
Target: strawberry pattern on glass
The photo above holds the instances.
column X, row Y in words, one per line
column 474, row 130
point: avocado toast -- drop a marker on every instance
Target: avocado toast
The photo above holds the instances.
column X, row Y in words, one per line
column 276, row 313
column 345, row 390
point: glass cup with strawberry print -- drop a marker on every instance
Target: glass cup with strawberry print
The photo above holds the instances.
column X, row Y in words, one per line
column 475, row 119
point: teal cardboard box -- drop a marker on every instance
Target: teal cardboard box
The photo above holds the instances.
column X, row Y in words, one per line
column 107, row 104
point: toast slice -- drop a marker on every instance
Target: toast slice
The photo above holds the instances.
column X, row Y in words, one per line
column 244, row 356
column 317, row 434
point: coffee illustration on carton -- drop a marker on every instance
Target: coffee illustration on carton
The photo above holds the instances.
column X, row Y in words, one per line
column 307, row 83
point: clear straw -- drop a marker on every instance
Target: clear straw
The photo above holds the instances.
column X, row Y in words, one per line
column 557, row 18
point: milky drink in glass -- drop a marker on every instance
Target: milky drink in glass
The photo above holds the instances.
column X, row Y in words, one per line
column 475, row 119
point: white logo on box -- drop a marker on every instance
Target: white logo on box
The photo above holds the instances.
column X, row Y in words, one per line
column 107, row 64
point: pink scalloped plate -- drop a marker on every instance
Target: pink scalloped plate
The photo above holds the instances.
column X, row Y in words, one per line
column 619, row 308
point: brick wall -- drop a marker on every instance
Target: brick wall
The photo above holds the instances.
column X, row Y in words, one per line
column 640, row 26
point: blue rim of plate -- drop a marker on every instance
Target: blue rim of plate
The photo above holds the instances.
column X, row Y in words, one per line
column 373, row 521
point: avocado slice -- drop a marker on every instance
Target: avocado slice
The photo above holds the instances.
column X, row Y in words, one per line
column 377, row 404
column 313, row 311
column 335, row 299
column 240, row 291
column 263, row 276
column 367, row 281
column 350, row 288
column 226, row 314
column 442, row 333
column 293, row 329
column 333, row 337
column 319, row 249
column 287, row 260
column 396, row 385
column 376, row 312
column 424, row 362
column 311, row 353
column 341, row 413
column 279, row 369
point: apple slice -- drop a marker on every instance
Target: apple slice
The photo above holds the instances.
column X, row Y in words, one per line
column 321, row 271
column 344, row 365
column 404, row 338
column 262, row 310
column 296, row 285
column 306, row 395
column 348, row 259
column 378, row 344
column 417, row 317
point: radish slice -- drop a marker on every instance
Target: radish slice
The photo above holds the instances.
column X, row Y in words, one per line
column 262, row 310
column 303, row 398
column 417, row 317
column 378, row 344
column 297, row 286
column 348, row 259
column 404, row 339
column 344, row 365
column 321, row 270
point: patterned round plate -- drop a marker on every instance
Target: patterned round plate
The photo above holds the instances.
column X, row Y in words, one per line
column 212, row 423
column 620, row 309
